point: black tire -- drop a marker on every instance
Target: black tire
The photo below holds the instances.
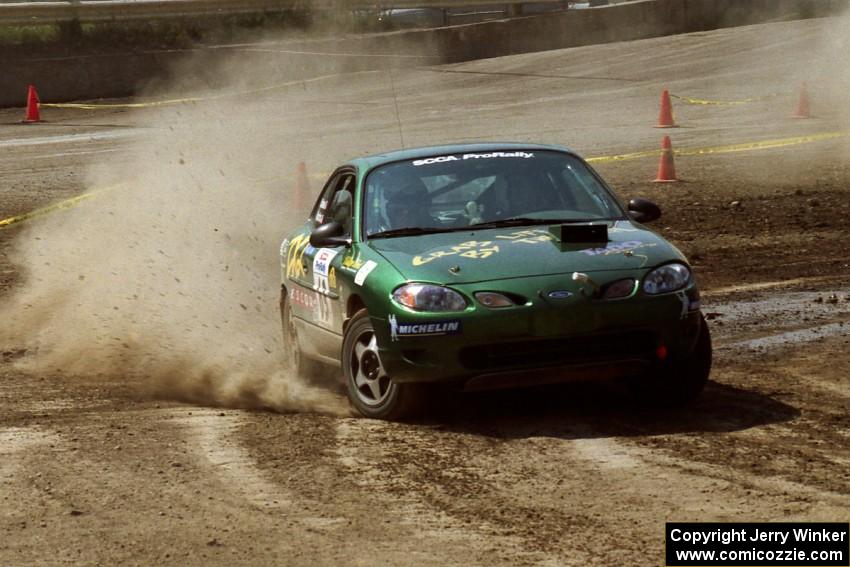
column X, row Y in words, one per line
column 681, row 381
column 370, row 390
column 294, row 359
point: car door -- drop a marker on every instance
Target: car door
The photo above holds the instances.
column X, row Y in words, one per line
column 320, row 265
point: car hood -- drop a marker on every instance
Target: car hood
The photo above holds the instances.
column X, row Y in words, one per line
column 502, row 253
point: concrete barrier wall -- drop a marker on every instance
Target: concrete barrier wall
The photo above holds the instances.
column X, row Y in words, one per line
column 112, row 73
column 638, row 20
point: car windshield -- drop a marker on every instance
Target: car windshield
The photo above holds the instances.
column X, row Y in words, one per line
column 457, row 191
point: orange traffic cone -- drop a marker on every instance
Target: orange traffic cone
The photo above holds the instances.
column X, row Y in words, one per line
column 666, row 167
column 803, row 110
column 665, row 117
column 301, row 198
column 33, row 114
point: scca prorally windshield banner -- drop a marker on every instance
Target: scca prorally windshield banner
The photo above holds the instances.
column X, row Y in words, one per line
column 464, row 157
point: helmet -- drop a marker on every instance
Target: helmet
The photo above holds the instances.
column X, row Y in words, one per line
column 407, row 204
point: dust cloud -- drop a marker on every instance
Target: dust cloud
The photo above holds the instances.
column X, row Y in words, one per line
column 169, row 277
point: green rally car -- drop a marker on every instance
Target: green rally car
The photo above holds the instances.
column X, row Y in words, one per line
column 486, row 266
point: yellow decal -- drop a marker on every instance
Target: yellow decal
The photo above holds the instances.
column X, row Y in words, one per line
column 295, row 256
column 471, row 249
column 332, row 278
column 352, row 263
column 529, row 236
column 481, row 252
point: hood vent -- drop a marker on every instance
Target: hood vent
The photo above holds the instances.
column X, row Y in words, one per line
column 581, row 233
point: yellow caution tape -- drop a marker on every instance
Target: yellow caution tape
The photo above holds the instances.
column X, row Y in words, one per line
column 746, row 146
column 699, row 101
column 45, row 210
column 66, row 204
column 763, row 144
column 96, row 106
column 99, row 106
column 729, row 148
column 623, row 157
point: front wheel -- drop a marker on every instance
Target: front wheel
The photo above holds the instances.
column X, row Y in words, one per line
column 371, row 391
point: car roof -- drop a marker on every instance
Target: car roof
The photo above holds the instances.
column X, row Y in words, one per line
column 369, row 162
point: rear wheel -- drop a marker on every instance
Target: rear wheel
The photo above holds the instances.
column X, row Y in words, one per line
column 370, row 389
column 682, row 380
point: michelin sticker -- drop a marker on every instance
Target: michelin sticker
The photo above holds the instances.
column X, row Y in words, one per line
column 489, row 155
column 322, row 268
column 364, row 272
column 430, row 329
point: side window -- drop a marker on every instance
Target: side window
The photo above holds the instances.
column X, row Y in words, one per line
column 336, row 202
column 341, row 208
column 320, row 210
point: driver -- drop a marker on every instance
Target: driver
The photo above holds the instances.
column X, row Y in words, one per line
column 407, row 206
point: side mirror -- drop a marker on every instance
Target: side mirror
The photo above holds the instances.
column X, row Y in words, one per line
column 327, row 235
column 643, row 210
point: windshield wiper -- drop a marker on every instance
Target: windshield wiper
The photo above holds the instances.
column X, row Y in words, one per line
column 408, row 231
column 525, row 221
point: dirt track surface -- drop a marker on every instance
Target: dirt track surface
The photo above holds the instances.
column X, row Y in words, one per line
column 94, row 471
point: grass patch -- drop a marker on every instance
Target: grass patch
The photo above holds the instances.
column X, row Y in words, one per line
column 152, row 33
column 26, row 34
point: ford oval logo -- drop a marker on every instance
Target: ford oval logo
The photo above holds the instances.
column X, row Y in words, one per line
column 559, row 294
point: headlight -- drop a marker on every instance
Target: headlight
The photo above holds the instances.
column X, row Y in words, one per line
column 671, row 277
column 425, row 297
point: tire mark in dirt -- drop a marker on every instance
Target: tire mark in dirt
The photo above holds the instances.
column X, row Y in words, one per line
column 772, row 462
column 779, row 320
column 546, row 500
column 212, row 433
column 429, row 486
column 790, row 338
column 761, row 286
column 17, row 440
column 824, row 502
column 797, row 455
column 712, row 492
column 22, row 490
column 771, row 308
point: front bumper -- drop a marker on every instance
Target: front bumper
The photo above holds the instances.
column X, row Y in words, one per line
column 542, row 341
